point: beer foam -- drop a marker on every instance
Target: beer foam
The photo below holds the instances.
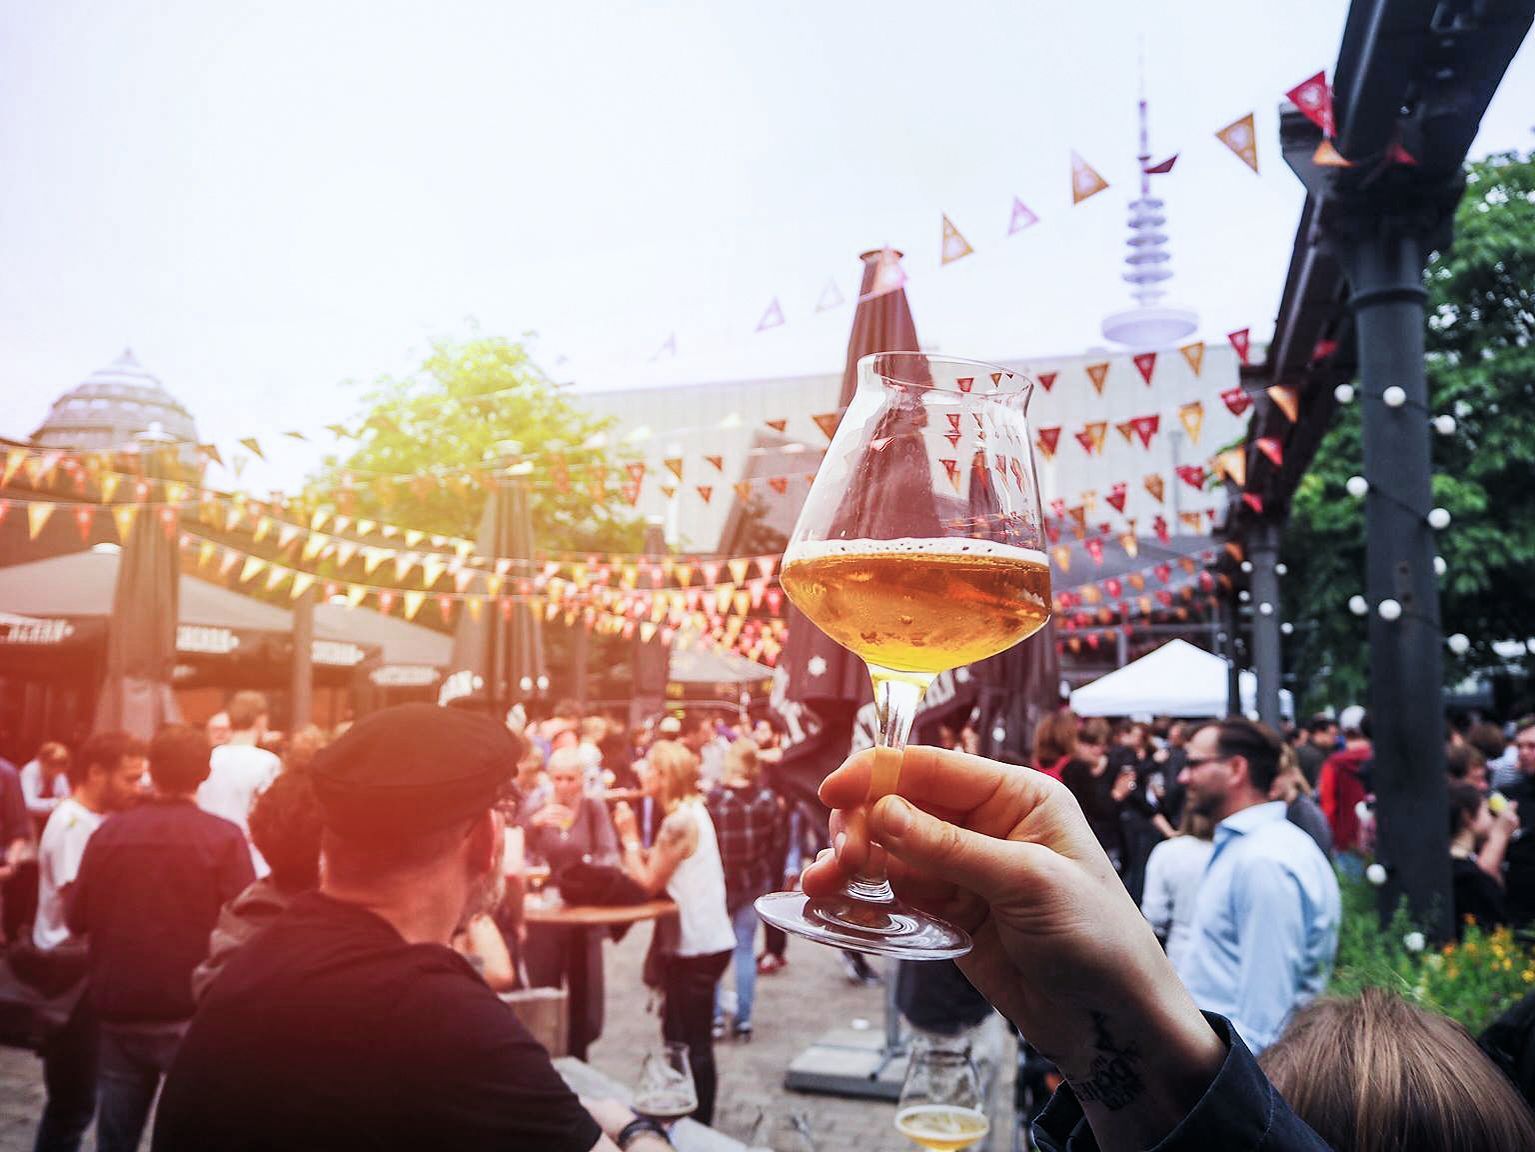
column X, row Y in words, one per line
column 932, row 546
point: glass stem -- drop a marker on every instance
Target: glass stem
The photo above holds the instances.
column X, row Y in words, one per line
column 897, row 696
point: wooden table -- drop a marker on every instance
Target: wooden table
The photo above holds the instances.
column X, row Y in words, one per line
column 687, row 1135
column 536, row 911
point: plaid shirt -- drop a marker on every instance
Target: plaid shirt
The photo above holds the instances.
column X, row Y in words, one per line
column 750, row 826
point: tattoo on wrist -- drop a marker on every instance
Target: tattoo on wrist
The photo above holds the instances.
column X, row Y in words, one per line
column 1115, row 1078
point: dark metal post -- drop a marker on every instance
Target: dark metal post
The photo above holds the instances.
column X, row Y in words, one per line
column 1233, row 666
column 1384, row 255
column 301, row 693
column 1263, row 551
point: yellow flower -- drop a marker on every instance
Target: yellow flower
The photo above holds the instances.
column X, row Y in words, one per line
column 1528, row 975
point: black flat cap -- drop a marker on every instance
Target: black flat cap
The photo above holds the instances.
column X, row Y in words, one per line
column 411, row 769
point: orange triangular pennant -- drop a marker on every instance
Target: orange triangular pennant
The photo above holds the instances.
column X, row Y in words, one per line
column 255, row 448
column 1155, row 485
column 705, row 491
column 1286, row 399
column 1193, row 417
column 1195, row 354
column 955, row 246
column 1085, row 181
column 717, row 461
column 1233, row 464
column 827, row 422
column 38, row 513
column 1328, row 156
column 779, row 484
column 777, row 425
column 1098, row 374
column 674, row 466
column 1241, row 137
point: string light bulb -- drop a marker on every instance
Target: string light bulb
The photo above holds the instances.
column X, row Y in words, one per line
column 1459, row 643
column 1440, row 567
column 1281, row 569
column 1358, row 605
column 1265, row 609
column 1287, row 628
column 1247, row 565
column 1444, row 424
column 1438, row 519
column 1390, row 610
column 1357, row 487
column 1394, row 396
column 1343, row 393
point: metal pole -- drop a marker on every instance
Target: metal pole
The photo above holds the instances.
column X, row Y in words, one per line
column 301, row 694
column 1264, row 554
column 1384, row 256
column 1233, row 667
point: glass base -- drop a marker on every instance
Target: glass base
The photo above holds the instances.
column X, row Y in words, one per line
column 876, row 928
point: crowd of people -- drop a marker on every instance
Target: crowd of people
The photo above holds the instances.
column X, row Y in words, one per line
column 141, row 926
column 168, row 902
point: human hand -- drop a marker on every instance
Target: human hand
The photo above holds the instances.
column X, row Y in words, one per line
column 624, row 822
column 1124, row 784
column 610, row 1114
column 1059, row 947
column 553, row 816
column 1507, row 821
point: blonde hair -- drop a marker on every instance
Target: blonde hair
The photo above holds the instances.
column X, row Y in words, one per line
column 741, row 761
column 1374, row 1073
column 677, row 767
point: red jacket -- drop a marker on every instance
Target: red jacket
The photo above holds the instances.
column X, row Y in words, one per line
column 1340, row 789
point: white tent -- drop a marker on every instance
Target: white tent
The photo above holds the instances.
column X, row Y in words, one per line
column 1178, row 679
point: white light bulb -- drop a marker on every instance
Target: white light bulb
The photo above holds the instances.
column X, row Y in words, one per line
column 1265, row 609
column 1358, row 605
column 1394, row 396
column 1247, row 565
column 1390, row 610
column 1281, row 569
column 1444, row 425
column 1287, row 628
column 1244, row 595
column 1530, row 644
column 1459, row 644
column 1344, row 393
column 1438, row 519
column 1357, row 486
column 1375, row 874
column 1440, row 567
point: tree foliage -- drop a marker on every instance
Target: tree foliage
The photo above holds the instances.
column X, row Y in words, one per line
column 427, row 436
column 1481, row 370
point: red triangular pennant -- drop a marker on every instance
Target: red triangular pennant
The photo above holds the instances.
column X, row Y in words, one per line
column 705, row 492
column 1146, row 427
column 1313, row 96
column 1193, row 475
column 779, row 484
column 1047, row 380
column 777, row 425
column 1117, row 496
column 827, row 422
column 1241, row 340
column 952, row 468
column 1048, row 440
column 1162, row 168
column 1146, row 364
column 1271, row 447
column 1237, row 400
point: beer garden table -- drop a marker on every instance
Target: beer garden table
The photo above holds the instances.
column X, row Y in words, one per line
column 538, row 910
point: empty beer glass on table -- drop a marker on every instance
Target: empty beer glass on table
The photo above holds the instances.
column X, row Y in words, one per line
column 920, row 549
column 666, row 1091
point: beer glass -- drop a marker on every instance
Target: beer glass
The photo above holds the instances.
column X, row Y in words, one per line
column 941, row 1107
column 920, row 548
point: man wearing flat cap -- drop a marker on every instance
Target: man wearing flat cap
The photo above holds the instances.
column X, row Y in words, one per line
column 350, row 1022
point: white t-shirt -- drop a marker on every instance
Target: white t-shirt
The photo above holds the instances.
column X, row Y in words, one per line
column 58, row 863
column 1173, row 872
column 237, row 773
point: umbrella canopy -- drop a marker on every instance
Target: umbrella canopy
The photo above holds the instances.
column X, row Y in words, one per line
column 821, row 672
column 500, row 650
column 141, row 634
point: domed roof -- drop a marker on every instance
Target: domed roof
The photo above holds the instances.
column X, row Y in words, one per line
column 113, row 405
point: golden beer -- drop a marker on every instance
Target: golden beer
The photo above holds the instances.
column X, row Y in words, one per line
column 921, row 606
column 942, row 1127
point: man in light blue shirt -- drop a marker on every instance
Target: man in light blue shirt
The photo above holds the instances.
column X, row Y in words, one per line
column 1266, row 918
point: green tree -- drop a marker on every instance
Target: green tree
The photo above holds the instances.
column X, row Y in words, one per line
column 472, row 401
column 1481, row 370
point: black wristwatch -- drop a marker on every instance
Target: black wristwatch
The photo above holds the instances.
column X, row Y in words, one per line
column 639, row 1126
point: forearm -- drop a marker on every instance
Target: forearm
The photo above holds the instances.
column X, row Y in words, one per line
column 640, row 870
column 1490, row 858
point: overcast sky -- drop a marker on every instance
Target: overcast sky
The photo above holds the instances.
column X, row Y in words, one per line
column 268, row 200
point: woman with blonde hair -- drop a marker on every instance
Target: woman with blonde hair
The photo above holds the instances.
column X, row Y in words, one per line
column 685, row 864
column 1373, row 1073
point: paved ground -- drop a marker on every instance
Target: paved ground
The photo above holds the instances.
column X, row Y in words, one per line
column 793, row 1008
